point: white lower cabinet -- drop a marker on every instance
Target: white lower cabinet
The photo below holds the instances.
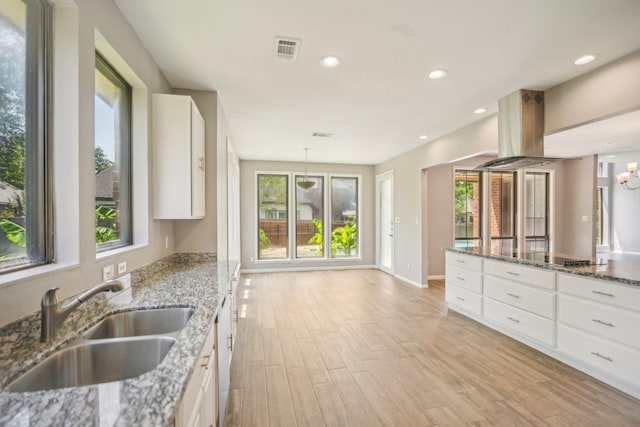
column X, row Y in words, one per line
column 523, row 322
column 463, row 288
column 615, row 359
column 199, row 403
column 588, row 323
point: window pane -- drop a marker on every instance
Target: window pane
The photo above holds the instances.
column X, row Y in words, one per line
column 536, row 210
column 273, row 202
column 22, row 134
column 112, row 153
column 309, row 217
column 344, row 217
column 467, row 205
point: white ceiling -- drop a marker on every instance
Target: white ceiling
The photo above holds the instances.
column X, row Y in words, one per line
column 379, row 100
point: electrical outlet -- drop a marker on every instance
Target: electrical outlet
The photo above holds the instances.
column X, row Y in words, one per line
column 122, row 267
column 107, row 272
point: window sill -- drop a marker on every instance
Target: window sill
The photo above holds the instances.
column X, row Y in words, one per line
column 16, row 277
column 118, row 251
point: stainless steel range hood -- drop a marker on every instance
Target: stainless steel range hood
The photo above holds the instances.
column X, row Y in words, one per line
column 520, row 132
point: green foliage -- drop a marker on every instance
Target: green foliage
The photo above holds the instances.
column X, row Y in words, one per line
column 463, row 192
column 317, row 238
column 15, row 232
column 264, row 240
column 12, row 106
column 15, row 208
column 102, row 162
column 344, row 239
column 105, row 234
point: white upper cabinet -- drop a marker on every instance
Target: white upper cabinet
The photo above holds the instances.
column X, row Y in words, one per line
column 178, row 158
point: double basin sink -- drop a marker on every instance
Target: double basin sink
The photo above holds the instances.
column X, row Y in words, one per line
column 123, row 345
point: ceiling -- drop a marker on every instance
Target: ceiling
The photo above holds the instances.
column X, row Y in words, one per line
column 379, row 101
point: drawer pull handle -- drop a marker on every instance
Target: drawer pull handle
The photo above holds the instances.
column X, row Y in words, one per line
column 461, row 299
column 601, row 356
column 513, row 273
column 513, row 320
column 603, row 293
column 602, row 322
column 461, row 261
column 460, row 278
column 513, row 295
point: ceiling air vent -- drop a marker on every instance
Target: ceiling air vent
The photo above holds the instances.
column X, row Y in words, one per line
column 287, row 48
column 322, row 134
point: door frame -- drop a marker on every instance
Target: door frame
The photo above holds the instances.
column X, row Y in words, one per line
column 379, row 178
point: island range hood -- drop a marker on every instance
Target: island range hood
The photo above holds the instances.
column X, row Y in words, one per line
column 520, row 132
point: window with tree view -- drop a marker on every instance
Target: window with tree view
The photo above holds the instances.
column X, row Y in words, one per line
column 502, row 210
column 23, row 221
column 467, row 207
column 112, row 157
column 309, row 217
column 273, row 218
column 344, row 217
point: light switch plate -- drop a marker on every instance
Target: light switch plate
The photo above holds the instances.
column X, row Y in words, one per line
column 122, row 267
column 107, row 272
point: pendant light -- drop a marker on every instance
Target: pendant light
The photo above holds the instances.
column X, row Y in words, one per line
column 306, row 183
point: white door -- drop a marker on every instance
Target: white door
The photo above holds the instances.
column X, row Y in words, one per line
column 384, row 223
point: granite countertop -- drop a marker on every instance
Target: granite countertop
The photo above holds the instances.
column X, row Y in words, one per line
column 180, row 280
column 621, row 271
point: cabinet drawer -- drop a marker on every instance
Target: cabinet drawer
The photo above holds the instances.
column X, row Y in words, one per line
column 463, row 299
column 468, row 262
column 615, row 359
column 521, row 296
column 466, row 279
column 607, row 321
column 526, row 323
column 597, row 290
column 531, row 276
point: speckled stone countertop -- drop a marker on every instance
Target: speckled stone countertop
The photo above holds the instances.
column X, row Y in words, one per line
column 625, row 272
column 180, row 280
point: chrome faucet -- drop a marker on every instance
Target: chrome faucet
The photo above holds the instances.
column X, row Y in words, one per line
column 53, row 314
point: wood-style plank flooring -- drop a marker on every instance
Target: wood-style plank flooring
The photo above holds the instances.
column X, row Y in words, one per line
column 360, row 348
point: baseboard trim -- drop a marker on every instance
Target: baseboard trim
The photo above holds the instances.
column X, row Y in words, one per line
column 436, row 277
column 309, row 268
column 410, row 282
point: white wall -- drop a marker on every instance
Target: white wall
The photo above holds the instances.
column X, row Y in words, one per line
column 248, row 209
column 74, row 46
column 625, row 208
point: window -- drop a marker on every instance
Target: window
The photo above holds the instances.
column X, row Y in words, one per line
column 344, row 217
column 325, row 212
column 467, row 207
column 273, row 224
column 112, row 157
column 536, row 224
column 309, row 217
column 502, row 210
column 24, row 222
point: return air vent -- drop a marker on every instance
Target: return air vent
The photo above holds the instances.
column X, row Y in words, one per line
column 322, row 134
column 287, row 48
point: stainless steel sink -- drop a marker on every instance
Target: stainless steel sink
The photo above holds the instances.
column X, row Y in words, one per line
column 141, row 322
column 89, row 363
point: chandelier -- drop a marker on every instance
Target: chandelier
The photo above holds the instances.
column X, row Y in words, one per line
column 632, row 173
column 306, row 183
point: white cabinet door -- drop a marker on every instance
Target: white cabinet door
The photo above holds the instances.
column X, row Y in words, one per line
column 178, row 158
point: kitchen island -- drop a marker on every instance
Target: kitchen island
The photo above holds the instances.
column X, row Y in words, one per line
column 154, row 398
column 585, row 316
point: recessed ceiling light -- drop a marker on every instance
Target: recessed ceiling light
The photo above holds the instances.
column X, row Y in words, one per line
column 437, row 74
column 584, row 59
column 330, row 61
column 480, row 110
column 423, row 137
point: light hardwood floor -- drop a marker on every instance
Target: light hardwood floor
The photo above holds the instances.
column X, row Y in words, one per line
column 360, row 348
